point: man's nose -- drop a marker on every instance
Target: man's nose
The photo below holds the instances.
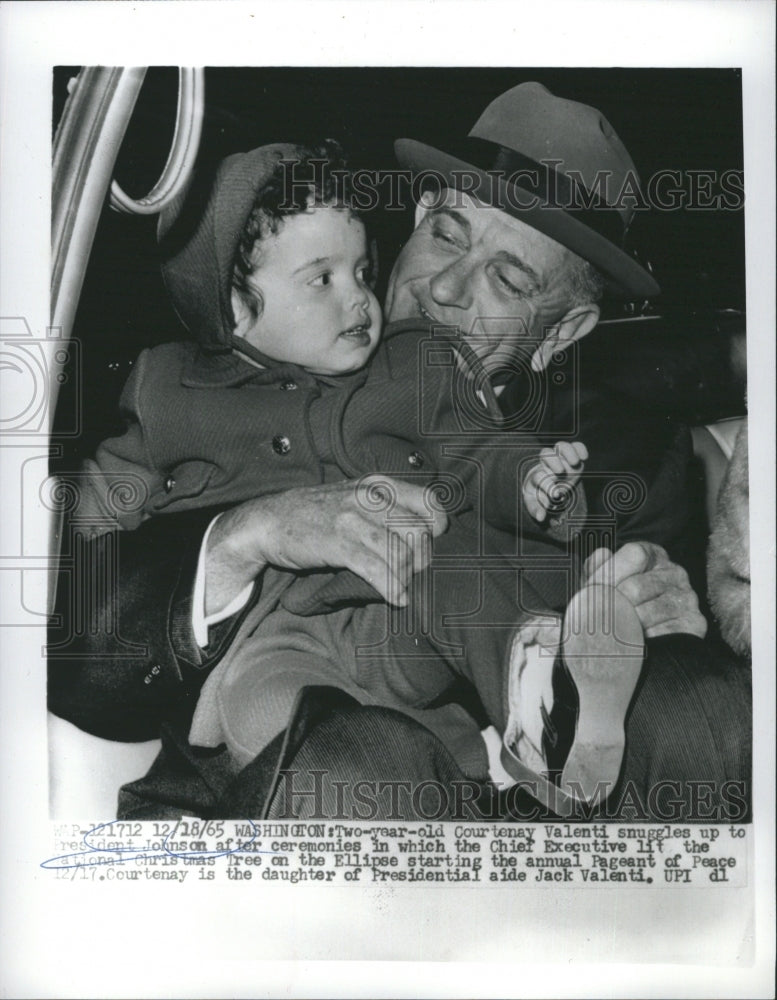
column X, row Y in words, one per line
column 453, row 286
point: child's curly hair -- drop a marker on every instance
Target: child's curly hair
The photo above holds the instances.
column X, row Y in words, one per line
column 319, row 175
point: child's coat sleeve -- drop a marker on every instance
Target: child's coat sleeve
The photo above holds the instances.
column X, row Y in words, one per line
column 115, row 487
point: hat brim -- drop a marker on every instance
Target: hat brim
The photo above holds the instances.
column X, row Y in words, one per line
column 624, row 276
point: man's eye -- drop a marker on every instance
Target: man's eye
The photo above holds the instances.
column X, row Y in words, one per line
column 322, row 280
column 507, row 286
column 446, row 236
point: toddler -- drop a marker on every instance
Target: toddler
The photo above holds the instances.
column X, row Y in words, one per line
column 286, row 383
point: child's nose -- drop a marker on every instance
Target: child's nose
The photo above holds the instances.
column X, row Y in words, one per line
column 360, row 297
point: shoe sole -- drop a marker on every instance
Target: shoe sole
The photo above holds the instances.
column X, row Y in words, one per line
column 603, row 653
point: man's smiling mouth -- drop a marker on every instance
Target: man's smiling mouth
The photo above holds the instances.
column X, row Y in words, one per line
column 425, row 314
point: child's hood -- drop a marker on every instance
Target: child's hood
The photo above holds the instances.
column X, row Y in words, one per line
column 199, row 244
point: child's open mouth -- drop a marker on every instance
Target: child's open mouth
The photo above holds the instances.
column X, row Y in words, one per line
column 360, row 334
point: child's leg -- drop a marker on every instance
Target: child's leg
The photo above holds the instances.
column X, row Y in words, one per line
column 255, row 694
column 474, row 618
column 461, row 623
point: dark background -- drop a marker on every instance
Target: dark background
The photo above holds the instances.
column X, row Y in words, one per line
column 668, row 119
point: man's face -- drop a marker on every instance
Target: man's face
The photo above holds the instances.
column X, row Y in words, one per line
column 477, row 268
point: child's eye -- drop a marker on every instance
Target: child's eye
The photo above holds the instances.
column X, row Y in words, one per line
column 322, row 280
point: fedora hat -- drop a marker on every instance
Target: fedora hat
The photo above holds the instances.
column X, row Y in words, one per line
column 557, row 166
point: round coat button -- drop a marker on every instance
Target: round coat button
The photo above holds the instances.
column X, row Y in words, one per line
column 288, row 385
column 281, row 444
column 416, row 459
column 169, row 484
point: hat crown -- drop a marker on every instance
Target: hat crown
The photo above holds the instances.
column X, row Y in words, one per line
column 583, row 198
column 528, row 119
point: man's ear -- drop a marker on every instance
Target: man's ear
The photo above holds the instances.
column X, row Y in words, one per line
column 574, row 325
column 245, row 315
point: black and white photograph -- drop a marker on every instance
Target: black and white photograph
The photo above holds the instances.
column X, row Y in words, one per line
column 384, row 482
column 621, row 387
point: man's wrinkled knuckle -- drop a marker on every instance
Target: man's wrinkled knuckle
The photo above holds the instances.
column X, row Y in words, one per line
column 683, row 580
column 634, row 550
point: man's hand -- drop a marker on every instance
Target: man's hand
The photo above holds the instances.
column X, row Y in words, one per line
column 344, row 525
column 658, row 588
column 548, row 484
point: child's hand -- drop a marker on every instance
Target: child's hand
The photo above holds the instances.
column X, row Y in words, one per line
column 549, row 483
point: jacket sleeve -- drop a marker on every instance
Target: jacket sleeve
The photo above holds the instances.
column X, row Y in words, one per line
column 664, row 515
column 121, row 655
column 114, row 487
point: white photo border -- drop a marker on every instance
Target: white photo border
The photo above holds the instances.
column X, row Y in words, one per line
column 76, row 943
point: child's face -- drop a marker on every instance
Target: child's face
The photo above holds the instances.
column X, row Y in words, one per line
column 318, row 311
